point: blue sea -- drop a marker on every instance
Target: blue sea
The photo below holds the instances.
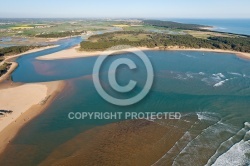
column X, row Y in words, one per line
column 238, row 26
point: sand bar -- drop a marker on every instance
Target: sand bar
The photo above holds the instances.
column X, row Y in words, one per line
column 74, row 53
column 26, row 101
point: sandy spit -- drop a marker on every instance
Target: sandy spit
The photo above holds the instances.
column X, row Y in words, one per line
column 74, row 53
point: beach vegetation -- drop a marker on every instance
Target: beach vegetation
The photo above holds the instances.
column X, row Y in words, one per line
column 4, row 68
column 7, row 51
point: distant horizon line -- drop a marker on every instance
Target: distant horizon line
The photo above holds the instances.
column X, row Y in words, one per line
column 120, row 18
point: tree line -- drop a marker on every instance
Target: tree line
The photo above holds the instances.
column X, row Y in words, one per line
column 173, row 25
column 105, row 41
column 6, row 51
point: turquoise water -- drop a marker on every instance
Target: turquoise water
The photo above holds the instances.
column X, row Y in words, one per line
column 213, row 86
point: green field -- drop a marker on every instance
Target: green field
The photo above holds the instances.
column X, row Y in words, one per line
column 48, row 27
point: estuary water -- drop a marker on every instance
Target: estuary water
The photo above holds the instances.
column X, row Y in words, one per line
column 212, row 86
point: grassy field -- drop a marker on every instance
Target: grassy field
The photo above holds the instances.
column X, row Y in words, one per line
column 205, row 35
column 120, row 25
column 47, row 27
column 22, row 28
column 141, row 28
column 131, row 37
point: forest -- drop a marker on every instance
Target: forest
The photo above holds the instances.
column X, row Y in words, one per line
column 107, row 40
column 173, row 25
column 6, row 51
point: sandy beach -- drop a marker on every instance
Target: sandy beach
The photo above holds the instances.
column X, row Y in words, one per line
column 74, row 53
column 207, row 28
column 24, row 100
column 239, row 54
column 20, row 99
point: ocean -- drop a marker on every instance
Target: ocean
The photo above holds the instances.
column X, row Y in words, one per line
column 238, row 26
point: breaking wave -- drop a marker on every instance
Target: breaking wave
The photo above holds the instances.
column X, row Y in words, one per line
column 238, row 154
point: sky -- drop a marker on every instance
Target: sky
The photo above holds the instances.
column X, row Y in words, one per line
column 124, row 9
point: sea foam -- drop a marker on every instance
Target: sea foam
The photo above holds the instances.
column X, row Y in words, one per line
column 239, row 152
column 220, row 83
column 236, row 155
column 234, row 73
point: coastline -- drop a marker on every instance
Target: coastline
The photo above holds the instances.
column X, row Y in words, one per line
column 207, row 28
column 75, row 53
column 6, row 76
column 14, row 65
column 239, row 54
column 26, row 108
column 9, row 58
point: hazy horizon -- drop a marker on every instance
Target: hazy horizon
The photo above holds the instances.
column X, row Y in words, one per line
column 170, row 18
column 125, row 9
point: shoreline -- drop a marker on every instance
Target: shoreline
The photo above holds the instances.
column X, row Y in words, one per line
column 28, row 108
column 237, row 53
column 25, row 107
column 6, row 76
column 75, row 53
column 9, row 58
column 207, row 28
column 14, row 65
